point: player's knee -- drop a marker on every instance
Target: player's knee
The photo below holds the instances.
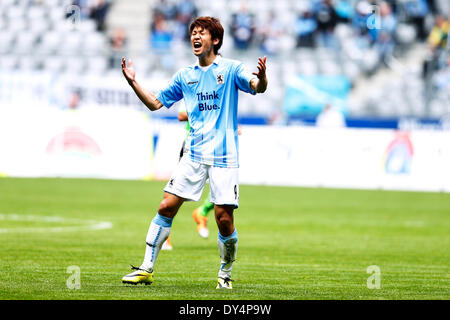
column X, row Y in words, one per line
column 224, row 223
column 224, row 218
column 167, row 208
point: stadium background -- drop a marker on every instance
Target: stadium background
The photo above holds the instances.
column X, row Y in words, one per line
column 358, row 98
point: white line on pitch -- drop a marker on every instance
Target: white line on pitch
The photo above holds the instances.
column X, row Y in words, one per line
column 85, row 224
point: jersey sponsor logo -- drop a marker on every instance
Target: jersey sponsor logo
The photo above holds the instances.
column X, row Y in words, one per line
column 204, row 106
column 192, row 82
column 220, row 79
column 206, row 103
column 207, row 96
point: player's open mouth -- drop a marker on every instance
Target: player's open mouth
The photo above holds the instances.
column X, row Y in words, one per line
column 197, row 45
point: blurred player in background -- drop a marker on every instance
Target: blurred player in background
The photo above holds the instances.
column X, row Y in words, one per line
column 210, row 92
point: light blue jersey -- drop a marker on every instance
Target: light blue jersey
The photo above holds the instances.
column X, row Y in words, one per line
column 211, row 100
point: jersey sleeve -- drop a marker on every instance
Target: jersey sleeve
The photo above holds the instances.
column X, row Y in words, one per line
column 172, row 93
column 243, row 77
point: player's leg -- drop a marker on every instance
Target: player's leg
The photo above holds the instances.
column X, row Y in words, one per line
column 200, row 216
column 158, row 232
column 167, row 245
column 225, row 195
column 159, row 229
column 227, row 242
column 187, row 183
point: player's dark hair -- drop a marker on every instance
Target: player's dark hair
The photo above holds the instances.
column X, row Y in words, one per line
column 214, row 27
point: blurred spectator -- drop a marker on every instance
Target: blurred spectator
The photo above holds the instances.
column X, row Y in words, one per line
column 161, row 35
column 330, row 118
column 118, row 42
column 186, row 11
column 439, row 34
column 344, row 10
column 73, row 102
column 98, row 12
column 437, row 42
column 385, row 35
column 242, row 27
column 360, row 18
column 327, row 20
column 432, row 5
column 84, row 8
column 365, row 25
column 417, row 11
column 271, row 32
column 305, row 27
column 442, row 77
column 166, row 8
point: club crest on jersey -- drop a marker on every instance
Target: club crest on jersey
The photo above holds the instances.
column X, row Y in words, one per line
column 220, row 79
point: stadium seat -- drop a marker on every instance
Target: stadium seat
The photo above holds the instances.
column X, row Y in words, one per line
column 50, row 42
column 56, row 14
column 94, row 43
column 54, row 63
column 75, row 65
column 25, row 42
column 7, row 3
column 29, row 62
column 329, row 67
column 8, row 62
column 18, row 25
column 40, row 26
column 351, row 70
column 405, row 34
column 6, row 40
column 53, row 3
column 96, row 65
column 71, row 43
column 15, row 13
column 86, row 26
column 142, row 65
column 36, row 13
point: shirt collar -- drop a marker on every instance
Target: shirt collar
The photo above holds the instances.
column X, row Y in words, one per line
column 216, row 61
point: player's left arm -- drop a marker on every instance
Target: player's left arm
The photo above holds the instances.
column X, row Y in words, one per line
column 259, row 84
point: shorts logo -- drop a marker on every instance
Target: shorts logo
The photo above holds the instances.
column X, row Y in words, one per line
column 220, row 79
column 192, row 82
column 171, row 182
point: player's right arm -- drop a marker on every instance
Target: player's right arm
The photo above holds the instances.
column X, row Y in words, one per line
column 147, row 98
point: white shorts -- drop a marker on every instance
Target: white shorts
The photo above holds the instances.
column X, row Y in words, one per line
column 189, row 178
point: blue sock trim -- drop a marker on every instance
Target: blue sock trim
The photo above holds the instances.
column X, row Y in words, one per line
column 234, row 236
column 162, row 221
column 154, row 245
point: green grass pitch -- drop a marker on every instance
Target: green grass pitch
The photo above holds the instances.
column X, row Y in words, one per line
column 294, row 243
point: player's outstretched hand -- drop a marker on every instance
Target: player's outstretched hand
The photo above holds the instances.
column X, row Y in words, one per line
column 261, row 74
column 128, row 72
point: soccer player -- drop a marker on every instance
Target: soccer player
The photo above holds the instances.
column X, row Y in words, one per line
column 210, row 91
